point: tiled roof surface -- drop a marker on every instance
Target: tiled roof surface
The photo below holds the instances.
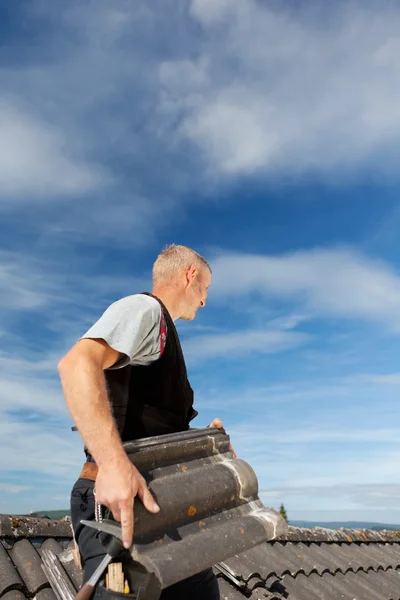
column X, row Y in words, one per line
column 322, row 565
column 22, row 542
column 316, row 568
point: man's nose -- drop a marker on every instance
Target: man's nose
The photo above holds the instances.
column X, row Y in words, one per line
column 202, row 303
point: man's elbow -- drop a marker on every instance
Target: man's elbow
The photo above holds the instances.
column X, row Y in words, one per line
column 64, row 366
column 68, row 363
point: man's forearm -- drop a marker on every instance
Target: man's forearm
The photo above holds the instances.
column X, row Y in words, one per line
column 85, row 394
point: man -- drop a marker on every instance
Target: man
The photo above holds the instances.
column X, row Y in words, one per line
column 126, row 379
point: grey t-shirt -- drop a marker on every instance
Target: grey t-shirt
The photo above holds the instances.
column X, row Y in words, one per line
column 135, row 327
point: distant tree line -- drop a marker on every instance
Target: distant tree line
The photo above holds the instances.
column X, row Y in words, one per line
column 283, row 514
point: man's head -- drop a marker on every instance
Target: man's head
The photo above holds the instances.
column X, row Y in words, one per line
column 182, row 276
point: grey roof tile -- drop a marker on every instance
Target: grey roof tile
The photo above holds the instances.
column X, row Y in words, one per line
column 50, row 544
column 330, row 558
column 370, row 585
column 210, row 509
column 303, row 587
column 13, row 595
column 66, row 558
column 9, row 578
column 321, row 534
column 392, row 554
column 28, row 563
column 46, row 594
column 227, row 591
column 255, row 561
column 364, row 584
column 382, row 555
column 302, row 556
column 340, row 586
column 12, row 526
column 290, row 558
column 373, row 585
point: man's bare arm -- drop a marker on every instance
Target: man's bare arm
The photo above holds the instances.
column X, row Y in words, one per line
column 118, row 481
column 82, row 377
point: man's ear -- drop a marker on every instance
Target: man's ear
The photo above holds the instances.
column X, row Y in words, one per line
column 192, row 273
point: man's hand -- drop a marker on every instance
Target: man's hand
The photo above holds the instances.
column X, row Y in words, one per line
column 219, row 425
column 116, row 487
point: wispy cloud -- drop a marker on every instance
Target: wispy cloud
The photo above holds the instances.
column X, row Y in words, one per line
column 35, row 159
column 80, row 135
column 118, row 114
column 392, row 379
column 113, row 124
column 338, row 282
column 10, row 488
column 59, row 452
column 276, row 87
column 235, row 344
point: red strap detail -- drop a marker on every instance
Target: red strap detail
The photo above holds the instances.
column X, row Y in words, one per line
column 163, row 333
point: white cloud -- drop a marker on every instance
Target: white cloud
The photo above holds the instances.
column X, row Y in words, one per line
column 319, row 433
column 11, row 488
column 289, row 89
column 23, row 284
column 342, row 283
column 376, row 378
column 239, row 343
column 41, row 449
column 35, row 159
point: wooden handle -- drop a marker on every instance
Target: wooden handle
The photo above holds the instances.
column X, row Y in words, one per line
column 85, row 592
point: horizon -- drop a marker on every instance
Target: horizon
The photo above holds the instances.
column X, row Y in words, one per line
column 264, row 135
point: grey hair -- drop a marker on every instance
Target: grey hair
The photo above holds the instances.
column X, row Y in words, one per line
column 173, row 259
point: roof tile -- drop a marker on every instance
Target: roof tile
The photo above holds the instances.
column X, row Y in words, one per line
column 45, row 594
column 13, row 595
column 12, row 526
column 9, row 578
column 66, row 558
column 302, row 587
column 28, row 563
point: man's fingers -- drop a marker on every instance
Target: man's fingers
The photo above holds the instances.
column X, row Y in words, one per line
column 217, row 423
column 232, row 451
column 116, row 513
column 127, row 525
column 147, row 499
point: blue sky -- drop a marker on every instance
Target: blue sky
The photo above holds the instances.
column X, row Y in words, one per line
column 266, row 136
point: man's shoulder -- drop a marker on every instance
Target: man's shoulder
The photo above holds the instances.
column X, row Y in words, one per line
column 140, row 304
column 137, row 300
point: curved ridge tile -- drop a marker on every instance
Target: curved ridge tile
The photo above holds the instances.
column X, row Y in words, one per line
column 46, row 594
column 13, row 595
column 322, row 534
column 28, row 563
column 66, row 558
column 50, row 544
column 9, row 578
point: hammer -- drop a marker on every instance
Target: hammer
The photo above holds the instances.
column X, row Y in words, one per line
column 114, row 548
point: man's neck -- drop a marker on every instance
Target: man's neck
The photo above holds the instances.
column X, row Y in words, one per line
column 168, row 298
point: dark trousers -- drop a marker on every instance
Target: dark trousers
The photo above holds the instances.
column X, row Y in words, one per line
column 203, row 586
